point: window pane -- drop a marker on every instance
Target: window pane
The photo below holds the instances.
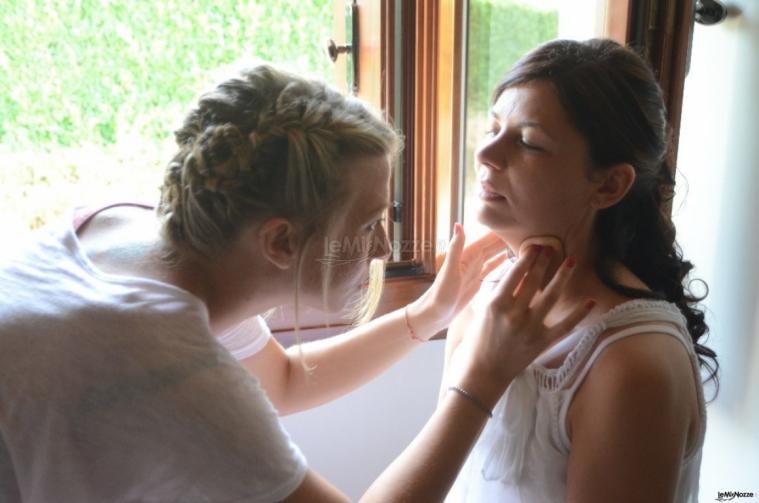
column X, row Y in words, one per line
column 499, row 33
column 91, row 91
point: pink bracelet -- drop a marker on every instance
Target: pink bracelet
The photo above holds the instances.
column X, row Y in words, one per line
column 411, row 331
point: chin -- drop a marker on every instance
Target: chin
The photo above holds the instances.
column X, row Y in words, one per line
column 505, row 229
column 342, row 299
column 492, row 219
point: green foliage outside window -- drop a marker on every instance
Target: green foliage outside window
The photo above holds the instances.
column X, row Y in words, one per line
column 85, row 71
column 91, row 90
column 500, row 32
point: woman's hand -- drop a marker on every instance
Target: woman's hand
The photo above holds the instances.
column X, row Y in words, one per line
column 458, row 279
column 509, row 332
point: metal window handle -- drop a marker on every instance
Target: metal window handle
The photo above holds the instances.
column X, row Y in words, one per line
column 334, row 50
column 350, row 47
column 710, row 12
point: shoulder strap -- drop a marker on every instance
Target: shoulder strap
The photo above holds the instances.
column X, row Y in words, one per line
column 638, row 329
column 654, row 327
column 84, row 214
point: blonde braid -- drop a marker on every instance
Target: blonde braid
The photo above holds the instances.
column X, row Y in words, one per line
column 266, row 143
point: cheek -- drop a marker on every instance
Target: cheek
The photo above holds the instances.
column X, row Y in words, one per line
column 537, row 202
column 561, row 203
column 352, row 261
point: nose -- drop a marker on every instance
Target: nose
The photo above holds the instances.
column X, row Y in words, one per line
column 381, row 248
column 490, row 154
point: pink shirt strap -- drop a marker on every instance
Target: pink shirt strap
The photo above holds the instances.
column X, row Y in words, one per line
column 83, row 214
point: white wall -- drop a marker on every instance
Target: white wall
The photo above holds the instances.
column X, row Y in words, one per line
column 351, row 440
column 716, row 212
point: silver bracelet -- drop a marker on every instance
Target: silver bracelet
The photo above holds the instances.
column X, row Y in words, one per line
column 472, row 399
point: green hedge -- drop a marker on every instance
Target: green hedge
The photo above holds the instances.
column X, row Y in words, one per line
column 499, row 33
column 76, row 72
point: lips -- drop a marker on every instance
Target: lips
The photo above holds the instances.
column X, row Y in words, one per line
column 487, row 193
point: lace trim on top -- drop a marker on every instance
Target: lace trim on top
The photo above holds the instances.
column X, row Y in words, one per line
column 552, row 379
column 504, row 441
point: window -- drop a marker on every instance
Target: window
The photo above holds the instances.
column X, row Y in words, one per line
column 91, row 91
column 89, row 96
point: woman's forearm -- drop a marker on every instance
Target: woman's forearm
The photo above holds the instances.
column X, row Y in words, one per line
column 428, row 467
column 342, row 363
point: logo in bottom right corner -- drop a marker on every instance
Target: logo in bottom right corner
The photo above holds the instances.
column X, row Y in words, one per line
column 731, row 495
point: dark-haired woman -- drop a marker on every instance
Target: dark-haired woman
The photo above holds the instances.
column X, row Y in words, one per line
column 575, row 155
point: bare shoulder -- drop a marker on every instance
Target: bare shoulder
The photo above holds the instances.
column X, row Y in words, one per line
column 645, row 366
column 644, row 358
column 634, row 418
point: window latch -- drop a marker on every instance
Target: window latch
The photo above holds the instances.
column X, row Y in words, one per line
column 396, row 212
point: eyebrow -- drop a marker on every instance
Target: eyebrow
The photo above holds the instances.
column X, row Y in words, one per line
column 522, row 124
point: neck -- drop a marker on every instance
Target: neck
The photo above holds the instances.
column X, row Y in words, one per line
column 235, row 286
column 231, row 288
column 584, row 283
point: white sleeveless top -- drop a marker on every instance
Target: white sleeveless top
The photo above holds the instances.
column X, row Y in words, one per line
column 522, row 454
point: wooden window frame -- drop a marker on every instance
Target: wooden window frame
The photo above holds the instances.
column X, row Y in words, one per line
column 662, row 30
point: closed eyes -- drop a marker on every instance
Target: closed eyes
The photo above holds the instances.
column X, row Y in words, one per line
column 521, row 141
column 529, row 146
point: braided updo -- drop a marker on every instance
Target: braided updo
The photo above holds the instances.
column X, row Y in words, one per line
column 265, row 143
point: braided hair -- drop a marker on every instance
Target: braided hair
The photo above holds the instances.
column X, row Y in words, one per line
column 266, row 143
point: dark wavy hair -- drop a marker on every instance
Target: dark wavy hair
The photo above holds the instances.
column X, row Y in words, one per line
column 613, row 99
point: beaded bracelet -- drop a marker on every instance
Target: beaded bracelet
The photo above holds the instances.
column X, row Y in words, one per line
column 472, row 399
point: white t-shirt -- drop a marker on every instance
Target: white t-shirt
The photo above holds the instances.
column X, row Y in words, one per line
column 112, row 389
column 247, row 338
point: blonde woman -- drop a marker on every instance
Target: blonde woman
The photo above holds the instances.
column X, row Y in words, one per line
column 117, row 334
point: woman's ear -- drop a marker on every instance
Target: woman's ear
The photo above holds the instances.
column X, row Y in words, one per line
column 613, row 185
column 279, row 242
